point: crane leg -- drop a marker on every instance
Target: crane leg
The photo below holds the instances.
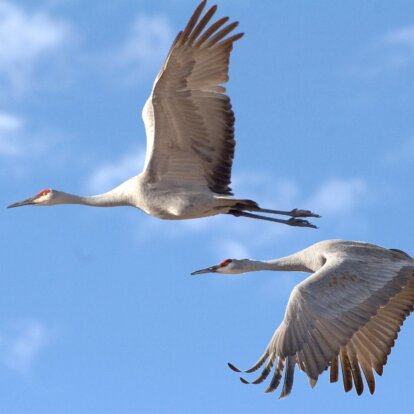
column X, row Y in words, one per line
column 293, row 213
column 296, row 222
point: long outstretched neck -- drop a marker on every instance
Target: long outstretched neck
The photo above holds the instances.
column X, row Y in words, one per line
column 109, row 199
column 293, row 263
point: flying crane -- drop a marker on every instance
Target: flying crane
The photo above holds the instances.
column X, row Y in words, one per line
column 189, row 124
column 350, row 309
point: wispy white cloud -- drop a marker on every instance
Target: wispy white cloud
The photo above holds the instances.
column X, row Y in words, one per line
column 338, row 195
column 107, row 176
column 9, row 123
column 402, row 37
column 21, row 342
column 233, row 249
column 10, row 143
column 25, row 38
column 144, row 48
column 16, row 142
column 388, row 53
column 400, row 154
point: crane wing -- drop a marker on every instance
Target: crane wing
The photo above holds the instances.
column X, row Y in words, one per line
column 188, row 118
column 351, row 310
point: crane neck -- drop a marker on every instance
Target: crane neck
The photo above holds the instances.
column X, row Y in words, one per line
column 293, row 263
column 110, row 199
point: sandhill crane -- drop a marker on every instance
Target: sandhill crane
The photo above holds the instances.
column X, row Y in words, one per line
column 189, row 125
column 350, row 309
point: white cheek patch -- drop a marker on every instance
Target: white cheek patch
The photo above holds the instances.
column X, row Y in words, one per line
column 42, row 199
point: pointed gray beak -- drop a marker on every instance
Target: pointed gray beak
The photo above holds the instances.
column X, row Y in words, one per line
column 211, row 269
column 27, row 202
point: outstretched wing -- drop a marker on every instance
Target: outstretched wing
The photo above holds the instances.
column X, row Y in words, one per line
column 188, row 118
column 351, row 310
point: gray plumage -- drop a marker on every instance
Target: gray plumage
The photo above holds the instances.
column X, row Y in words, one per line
column 189, row 123
column 350, row 309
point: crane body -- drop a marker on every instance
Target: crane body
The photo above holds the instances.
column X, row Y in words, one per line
column 348, row 311
column 189, row 125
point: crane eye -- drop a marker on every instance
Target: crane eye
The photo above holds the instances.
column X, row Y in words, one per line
column 225, row 262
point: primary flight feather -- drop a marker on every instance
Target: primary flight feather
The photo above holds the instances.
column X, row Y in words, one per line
column 189, row 125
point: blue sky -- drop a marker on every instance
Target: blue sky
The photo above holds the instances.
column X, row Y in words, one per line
column 98, row 311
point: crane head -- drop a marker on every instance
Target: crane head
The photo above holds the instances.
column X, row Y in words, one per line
column 227, row 266
column 42, row 198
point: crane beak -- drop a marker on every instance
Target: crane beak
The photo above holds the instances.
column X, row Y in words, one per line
column 212, row 269
column 28, row 202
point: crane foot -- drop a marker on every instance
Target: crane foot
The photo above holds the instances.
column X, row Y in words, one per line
column 300, row 223
column 303, row 213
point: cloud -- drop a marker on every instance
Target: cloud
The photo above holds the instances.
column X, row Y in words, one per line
column 399, row 45
column 22, row 144
column 233, row 249
column 401, row 154
column 145, row 48
column 338, row 195
column 10, row 125
column 21, row 342
column 15, row 142
column 388, row 53
column 403, row 37
column 109, row 175
column 26, row 38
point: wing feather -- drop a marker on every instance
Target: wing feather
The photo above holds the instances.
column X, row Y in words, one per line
column 277, row 376
column 348, row 310
column 334, row 369
column 188, row 118
column 355, row 369
column 346, row 369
